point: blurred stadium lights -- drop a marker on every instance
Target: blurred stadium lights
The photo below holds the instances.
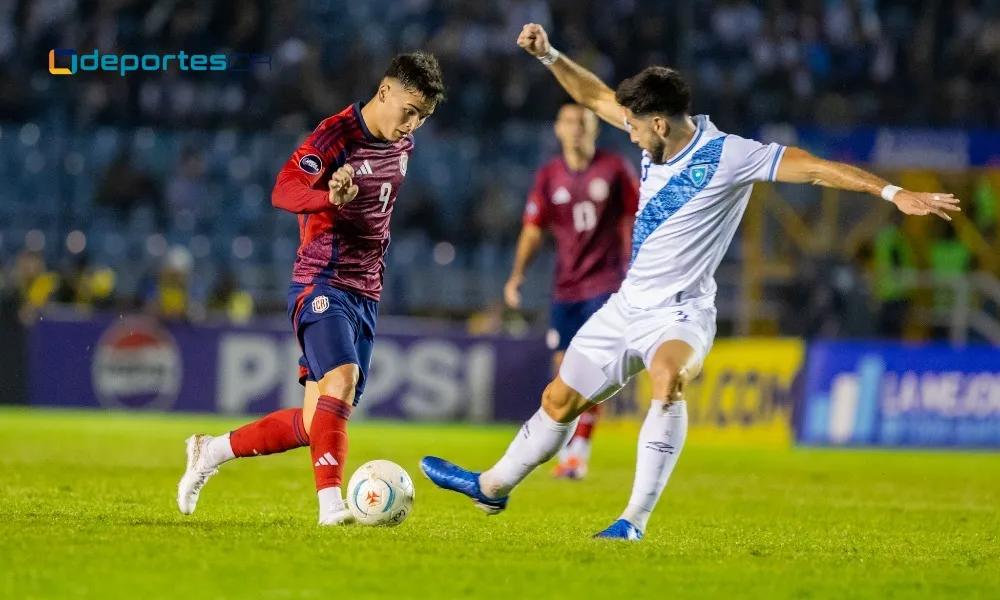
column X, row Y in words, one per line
column 156, row 245
column 34, row 240
column 76, row 241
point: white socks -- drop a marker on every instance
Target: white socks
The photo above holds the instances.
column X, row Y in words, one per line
column 539, row 439
column 220, row 450
column 330, row 500
column 660, row 442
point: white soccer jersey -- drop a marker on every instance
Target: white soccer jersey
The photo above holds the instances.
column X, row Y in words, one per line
column 689, row 209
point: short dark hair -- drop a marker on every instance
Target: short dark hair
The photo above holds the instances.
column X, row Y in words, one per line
column 655, row 90
column 420, row 72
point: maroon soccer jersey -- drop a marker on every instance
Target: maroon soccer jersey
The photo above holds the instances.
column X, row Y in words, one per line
column 343, row 247
column 588, row 213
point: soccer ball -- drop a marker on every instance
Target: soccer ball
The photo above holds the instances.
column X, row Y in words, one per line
column 380, row 493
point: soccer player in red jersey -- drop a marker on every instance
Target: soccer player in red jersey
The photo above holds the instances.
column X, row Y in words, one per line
column 587, row 198
column 342, row 182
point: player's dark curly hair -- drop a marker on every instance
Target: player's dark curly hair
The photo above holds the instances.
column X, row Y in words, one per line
column 655, row 90
column 418, row 71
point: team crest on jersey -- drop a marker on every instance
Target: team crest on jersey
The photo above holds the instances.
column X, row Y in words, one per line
column 561, row 196
column 312, row 164
column 698, row 175
column 598, row 189
column 403, row 160
column 320, row 304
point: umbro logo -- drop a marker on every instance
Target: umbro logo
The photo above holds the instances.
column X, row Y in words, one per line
column 364, row 169
column 327, row 460
column 663, row 447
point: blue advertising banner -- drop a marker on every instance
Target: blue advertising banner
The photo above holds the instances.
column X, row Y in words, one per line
column 141, row 364
column 900, row 395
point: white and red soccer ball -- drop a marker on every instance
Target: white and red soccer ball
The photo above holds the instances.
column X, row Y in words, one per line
column 380, row 493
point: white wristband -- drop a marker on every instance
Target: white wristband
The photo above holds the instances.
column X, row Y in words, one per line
column 549, row 57
column 889, row 192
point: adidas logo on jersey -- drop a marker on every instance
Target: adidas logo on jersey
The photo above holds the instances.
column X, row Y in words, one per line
column 364, row 169
column 327, row 460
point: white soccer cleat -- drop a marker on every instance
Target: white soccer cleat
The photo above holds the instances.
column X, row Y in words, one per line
column 198, row 472
column 337, row 514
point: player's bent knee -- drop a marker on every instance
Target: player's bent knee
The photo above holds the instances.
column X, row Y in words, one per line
column 562, row 402
column 668, row 379
column 340, row 382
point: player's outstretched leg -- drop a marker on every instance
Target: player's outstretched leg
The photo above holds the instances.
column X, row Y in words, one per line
column 574, row 457
column 277, row 432
column 661, row 438
column 539, row 439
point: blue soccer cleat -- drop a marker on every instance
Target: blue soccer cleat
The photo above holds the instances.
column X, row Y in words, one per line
column 452, row 477
column 620, row 530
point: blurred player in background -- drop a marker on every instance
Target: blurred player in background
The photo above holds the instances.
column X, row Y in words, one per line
column 342, row 182
column 696, row 182
column 587, row 198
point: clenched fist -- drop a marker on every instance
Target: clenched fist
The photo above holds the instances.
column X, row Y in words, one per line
column 342, row 186
column 534, row 40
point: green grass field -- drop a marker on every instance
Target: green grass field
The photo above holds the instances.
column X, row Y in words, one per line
column 87, row 510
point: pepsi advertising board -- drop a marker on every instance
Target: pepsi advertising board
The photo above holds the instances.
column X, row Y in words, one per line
column 139, row 363
column 901, row 395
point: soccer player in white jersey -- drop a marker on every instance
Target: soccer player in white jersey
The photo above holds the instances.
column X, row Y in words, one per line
column 695, row 184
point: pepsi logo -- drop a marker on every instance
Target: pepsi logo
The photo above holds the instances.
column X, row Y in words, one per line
column 137, row 366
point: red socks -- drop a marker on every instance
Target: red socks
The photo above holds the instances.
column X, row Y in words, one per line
column 283, row 430
column 588, row 420
column 328, row 441
column 277, row 432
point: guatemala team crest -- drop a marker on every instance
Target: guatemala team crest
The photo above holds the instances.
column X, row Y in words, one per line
column 403, row 159
column 698, row 175
column 320, row 304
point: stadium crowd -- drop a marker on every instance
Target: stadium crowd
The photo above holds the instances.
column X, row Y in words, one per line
column 832, row 63
column 826, row 61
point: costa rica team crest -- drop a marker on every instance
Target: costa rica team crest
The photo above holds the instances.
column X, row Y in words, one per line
column 403, row 160
column 599, row 190
column 320, row 304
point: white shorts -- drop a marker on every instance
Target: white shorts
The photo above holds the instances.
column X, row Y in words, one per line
column 618, row 341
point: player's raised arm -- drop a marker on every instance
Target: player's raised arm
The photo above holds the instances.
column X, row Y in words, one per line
column 581, row 84
column 798, row 166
